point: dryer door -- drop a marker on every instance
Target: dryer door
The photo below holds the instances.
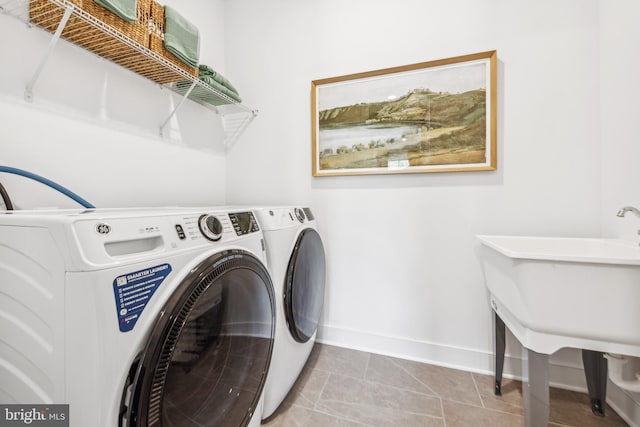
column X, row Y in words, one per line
column 304, row 285
column 207, row 357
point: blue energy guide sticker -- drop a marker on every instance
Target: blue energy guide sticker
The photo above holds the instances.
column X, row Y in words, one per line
column 133, row 291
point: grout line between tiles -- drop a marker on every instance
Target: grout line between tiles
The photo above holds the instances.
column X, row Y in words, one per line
column 366, row 368
column 475, row 384
column 444, row 418
column 366, row 406
column 340, row 417
column 414, row 377
column 315, row 404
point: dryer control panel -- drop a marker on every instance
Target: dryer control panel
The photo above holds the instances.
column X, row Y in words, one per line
column 244, row 223
column 277, row 218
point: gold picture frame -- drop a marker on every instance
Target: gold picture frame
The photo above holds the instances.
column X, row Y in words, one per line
column 436, row 116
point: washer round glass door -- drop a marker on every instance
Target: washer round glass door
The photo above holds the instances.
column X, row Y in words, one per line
column 207, row 357
column 304, row 285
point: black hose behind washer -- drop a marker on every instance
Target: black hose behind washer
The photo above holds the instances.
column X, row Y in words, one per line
column 6, row 198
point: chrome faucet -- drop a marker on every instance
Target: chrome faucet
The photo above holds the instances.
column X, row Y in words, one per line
column 626, row 209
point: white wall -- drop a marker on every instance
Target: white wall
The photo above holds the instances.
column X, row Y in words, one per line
column 619, row 130
column 404, row 276
column 94, row 127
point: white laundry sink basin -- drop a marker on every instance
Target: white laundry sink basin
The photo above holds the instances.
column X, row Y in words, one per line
column 555, row 292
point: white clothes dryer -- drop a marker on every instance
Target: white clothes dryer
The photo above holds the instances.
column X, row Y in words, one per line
column 296, row 261
column 136, row 318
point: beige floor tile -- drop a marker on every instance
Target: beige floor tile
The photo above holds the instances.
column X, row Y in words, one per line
column 306, row 390
column 511, row 399
column 446, row 383
column 339, row 360
column 297, row 416
column 574, row 409
column 461, row 415
column 377, row 404
column 392, row 371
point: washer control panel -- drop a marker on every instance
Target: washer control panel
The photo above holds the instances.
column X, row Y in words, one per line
column 216, row 226
column 105, row 235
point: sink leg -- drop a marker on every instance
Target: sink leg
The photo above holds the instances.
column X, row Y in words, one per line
column 500, row 337
column 535, row 388
column 595, row 370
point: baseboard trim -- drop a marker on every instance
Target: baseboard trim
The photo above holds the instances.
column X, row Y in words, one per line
column 564, row 372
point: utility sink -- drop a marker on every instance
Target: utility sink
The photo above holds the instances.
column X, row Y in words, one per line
column 555, row 292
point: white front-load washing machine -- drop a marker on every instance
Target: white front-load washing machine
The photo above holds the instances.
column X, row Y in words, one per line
column 136, row 318
column 296, row 261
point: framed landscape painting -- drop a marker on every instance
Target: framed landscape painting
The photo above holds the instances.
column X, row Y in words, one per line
column 437, row 116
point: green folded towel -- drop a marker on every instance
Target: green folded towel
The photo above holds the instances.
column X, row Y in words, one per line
column 206, row 71
column 221, row 88
column 181, row 37
column 201, row 94
column 125, row 9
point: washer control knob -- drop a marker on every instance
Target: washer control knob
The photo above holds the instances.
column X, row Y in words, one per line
column 210, row 227
column 299, row 214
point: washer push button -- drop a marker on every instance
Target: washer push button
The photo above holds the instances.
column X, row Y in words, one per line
column 180, row 232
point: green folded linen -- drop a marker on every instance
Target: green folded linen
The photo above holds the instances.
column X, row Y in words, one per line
column 181, row 37
column 206, row 71
column 205, row 95
column 125, row 9
column 221, row 88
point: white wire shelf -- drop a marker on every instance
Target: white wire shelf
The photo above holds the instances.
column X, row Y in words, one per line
column 66, row 20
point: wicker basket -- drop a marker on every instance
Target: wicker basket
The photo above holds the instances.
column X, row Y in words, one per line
column 47, row 14
column 137, row 31
column 156, row 44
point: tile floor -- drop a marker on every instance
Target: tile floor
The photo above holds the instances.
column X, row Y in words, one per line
column 347, row 388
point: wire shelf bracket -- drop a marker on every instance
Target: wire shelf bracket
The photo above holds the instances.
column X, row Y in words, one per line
column 175, row 110
column 28, row 91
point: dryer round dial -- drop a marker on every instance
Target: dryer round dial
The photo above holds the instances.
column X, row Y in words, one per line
column 210, row 226
column 299, row 214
